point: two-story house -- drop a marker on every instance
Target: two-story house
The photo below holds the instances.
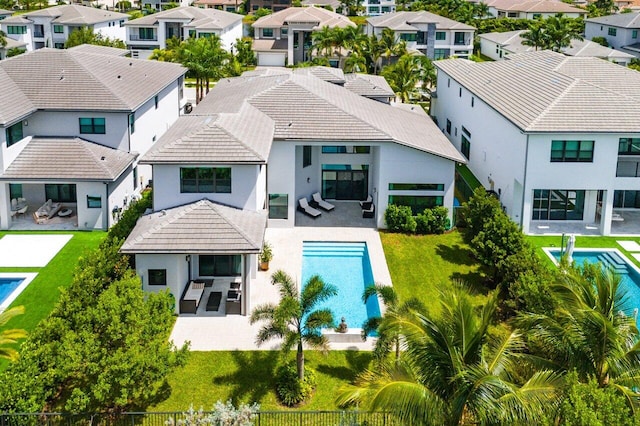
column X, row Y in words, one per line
column 432, row 35
column 159, row 5
column 152, row 31
column 254, row 147
column 51, row 27
column 499, row 46
column 621, row 31
column 284, row 38
column 533, row 9
column 72, row 128
column 556, row 137
column 232, row 6
column 272, row 5
column 4, row 14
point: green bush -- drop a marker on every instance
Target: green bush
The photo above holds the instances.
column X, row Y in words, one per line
column 433, row 221
column 601, row 41
column 130, row 216
column 291, row 391
column 400, row 219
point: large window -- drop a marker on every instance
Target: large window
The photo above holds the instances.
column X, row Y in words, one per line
column 441, row 35
column 343, row 149
column 219, row 266
column 15, row 190
column 60, row 193
column 553, row 204
column 58, row 29
column 278, row 206
column 306, row 156
column 416, row 187
column 417, row 203
column 629, row 146
column 146, row 34
column 132, row 123
column 626, row 199
column 634, row 34
column 459, row 38
column 572, row 151
column 345, row 181
column 409, row 37
column 93, row 126
column 465, row 147
column 205, row 179
column 14, row 133
column 612, row 31
column 267, row 32
column 157, row 276
column 440, row 53
column 16, row 29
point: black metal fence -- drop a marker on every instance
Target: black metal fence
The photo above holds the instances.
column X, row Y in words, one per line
column 263, row 418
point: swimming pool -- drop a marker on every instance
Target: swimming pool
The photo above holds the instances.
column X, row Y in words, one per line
column 7, row 287
column 347, row 267
column 615, row 260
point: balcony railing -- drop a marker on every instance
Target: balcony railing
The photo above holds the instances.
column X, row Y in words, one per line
column 136, row 37
column 38, row 35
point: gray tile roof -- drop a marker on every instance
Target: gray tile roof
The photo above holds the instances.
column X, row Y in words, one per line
column 192, row 17
column 265, row 44
column 549, row 92
column 75, row 80
column 401, row 21
column 100, row 50
column 72, row 14
column 621, row 20
column 534, row 6
column 367, row 85
column 203, row 227
column 14, row 104
column 332, row 75
column 322, row 111
column 6, row 12
column 512, row 41
column 12, row 44
column 315, row 15
column 67, row 159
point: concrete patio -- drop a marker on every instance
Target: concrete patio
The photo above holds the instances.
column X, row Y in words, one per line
column 347, row 214
column 628, row 226
column 233, row 332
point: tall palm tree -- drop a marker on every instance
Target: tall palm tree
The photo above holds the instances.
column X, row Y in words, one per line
column 403, row 77
column 389, row 336
column 10, row 336
column 390, row 45
column 355, row 62
column 453, row 372
column 322, row 41
column 295, row 319
column 560, row 31
column 535, row 36
column 589, row 332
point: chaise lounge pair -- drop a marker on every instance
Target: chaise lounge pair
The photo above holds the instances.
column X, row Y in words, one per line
column 309, row 208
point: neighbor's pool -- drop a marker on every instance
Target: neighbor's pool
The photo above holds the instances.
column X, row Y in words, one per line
column 8, row 286
column 347, row 267
column 619, row 263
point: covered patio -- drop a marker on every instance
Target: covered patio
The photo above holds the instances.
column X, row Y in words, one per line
column 346, row 214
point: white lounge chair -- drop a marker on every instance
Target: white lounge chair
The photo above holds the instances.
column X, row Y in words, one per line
column 368, row 211
column 322, row 203
column 365, row 203
column 304, row 207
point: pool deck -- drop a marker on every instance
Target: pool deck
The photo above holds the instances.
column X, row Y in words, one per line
column 233, row 332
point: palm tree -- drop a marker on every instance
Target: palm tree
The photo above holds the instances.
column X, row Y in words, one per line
column 295, row 319
column 535, row 37
column 403, row 77
column 3, row 39
column 560, row 31
column 453, row 372
column 322, row 41
column 389, row 337
column 10, row 336
column 389, row 45
column 589, row 332
column 206, row 60
column 355, row 62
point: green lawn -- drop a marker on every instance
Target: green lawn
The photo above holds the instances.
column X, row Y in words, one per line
column 41, row 295
column 247, row 376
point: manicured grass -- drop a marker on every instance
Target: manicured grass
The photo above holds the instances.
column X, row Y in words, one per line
column 423, row 265
column 582, row 242
column 42, row 294
column 248, row 376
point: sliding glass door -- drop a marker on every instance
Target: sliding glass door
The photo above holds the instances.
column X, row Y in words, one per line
column 344, row 182
column 554, row 204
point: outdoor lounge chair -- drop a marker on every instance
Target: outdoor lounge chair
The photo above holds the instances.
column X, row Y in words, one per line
column 213, row 302
column 47, row 210
column 368, row 212
column 365, row 204
column 317, row 199
column 304, row 207
column 191, row 297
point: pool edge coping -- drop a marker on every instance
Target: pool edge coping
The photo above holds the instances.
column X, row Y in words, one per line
column 624, row 257
column 27, row 278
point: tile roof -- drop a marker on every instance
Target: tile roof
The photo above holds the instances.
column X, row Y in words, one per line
column 265, row 44
column 548, row 92
column 67, row 159
column 12, row 44
column 367, row 85
column 533, row 6
column 73, row 14
column 76, row 80
column 334, row 4
column 621, row 20
column 512, row 41
column 195, row 17
column 332, row 75
column 100, row 50
column 324, row 111
column 401, row 21
column 218, row 2
column 315, row 15
column 6, row 12
column 203, row 227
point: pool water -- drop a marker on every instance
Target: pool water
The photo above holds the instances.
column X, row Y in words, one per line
column 7, row 286
column 630, row 277
column 346, row 266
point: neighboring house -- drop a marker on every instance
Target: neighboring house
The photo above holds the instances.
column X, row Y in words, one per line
column 245, row 156
column 498, row 46
column 51, row 27
column 272, row 5
column 556, row 137
column 152, row 31
column 72, row 127
column 432, row 35
column 378, row 7
column 620, row 30
column 11, row 44
column 533, row 9
column 284, row 38
column 231, row 6
column 333, row 4
column 163, row 4
column 5, row 14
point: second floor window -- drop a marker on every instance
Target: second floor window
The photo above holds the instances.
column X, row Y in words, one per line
column 572, row 151
column 14, row 133
column 409, row 36
column 58, row 29
column 459, row 38
column 16, row 29
column 441, row 35
column 629, row 146
column 205, row 180
column 146, row 34
column 267, row 32
column 95, row 126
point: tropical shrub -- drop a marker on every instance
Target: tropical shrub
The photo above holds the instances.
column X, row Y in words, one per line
column 290, row 389
column 433, row 221
column 400, row 219
column 600, row 40
column 222, row 415
column 129, row 218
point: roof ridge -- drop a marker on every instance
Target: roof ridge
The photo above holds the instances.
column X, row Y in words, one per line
column 236, row 138
column 85, row 147
column 214, row 206
column 72, row 54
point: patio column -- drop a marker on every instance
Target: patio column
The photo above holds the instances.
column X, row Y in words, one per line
column 5, row 207
column 607, row 212
column 290, row 48
column 245, row 309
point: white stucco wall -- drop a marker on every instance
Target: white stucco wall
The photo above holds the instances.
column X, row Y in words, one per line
column 281, row 179
column 230, row 34
column 177, row 273
column 491, row 49
column 111, row 29
column 623, row 36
